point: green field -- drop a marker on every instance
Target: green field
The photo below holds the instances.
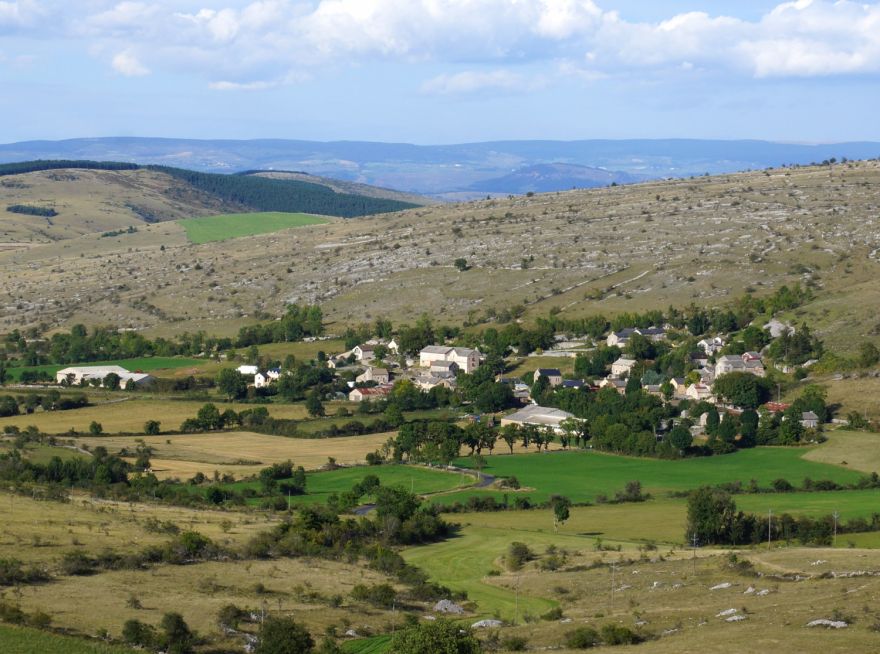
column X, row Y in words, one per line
column 141, row 364
column 849, row 504
column 20, row 640
column 234, row 225
column 583, row 475
column 320, row 485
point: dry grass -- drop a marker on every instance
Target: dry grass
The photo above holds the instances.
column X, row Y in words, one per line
column 129, row 416
column 184, row 455
column 627, row 248
column 854, row 449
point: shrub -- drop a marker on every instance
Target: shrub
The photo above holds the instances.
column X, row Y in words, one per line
column 381, row 595
column 139, row 634
column 582, row 638
column 77, row 562
column 518, row 554
column 613, row 634
column 514, row 643
column 282, row 635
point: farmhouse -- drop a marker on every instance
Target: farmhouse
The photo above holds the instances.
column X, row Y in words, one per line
column 538, row 416
column 553, row 375
column 467, row 359
column 444, row 368
column 700, row 392
column 371, row 374
column 621, row 338
column 809, row 420
column 429, row 381
column 711, row 345
column 622, row 367
column 375, row 393
column 86, row 374
column 748, row 362
column 617, row 384
column 364, row 352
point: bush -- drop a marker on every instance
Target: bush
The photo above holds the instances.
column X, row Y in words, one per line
column 380, row 595
column 514, row 643
column 77, row 562
column 281, row 635
column 135, row 632
column 582, row 638
column 613, row 634
column 518, row 554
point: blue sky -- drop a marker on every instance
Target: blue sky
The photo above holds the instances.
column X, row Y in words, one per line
column 440, row 71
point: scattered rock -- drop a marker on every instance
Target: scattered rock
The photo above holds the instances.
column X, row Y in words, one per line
column 736, row 618
column 828, row 624
column 749, row 590
column 448, row 606
column 726, row 613
column 351, row 633
column 819, row 562
column 763, row 593
column 487, row 624
column 669, row 632
column 722, row 586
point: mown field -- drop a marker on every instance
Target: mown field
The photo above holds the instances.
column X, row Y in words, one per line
column 207, row 229
column 142, row 364
column 129, row 415
column 582, row 476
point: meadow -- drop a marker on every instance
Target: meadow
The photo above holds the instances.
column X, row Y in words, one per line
column 141, row 364
column 582, row 476
column 21, row 640
column 207, row 229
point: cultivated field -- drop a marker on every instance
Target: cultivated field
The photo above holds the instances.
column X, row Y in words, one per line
column 21, row 640
column 156, row 365
column 207, row 229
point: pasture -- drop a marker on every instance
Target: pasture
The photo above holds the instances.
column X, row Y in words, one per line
column 856, row 450
column 582, row 476
column 207, row 229
column 154, row 365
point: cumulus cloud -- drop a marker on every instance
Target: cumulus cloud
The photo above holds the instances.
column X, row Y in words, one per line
column 126, row 63
column 253, row 44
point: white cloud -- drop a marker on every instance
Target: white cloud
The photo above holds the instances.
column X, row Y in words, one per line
column 126, row 63
column 469, row 82
column 253, row 44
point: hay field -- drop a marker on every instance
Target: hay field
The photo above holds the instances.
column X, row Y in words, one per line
column 156, row 365
column 241, row 453
column 129, row 416
column 857, row 450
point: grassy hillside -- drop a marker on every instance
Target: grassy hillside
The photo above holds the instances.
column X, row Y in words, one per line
column 704, row 240
column 207, row 229
column 46, row 201
column 21, row 640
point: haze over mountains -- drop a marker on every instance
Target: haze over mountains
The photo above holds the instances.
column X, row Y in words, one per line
column 452, row 171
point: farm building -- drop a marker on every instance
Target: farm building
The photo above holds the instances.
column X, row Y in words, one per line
column 371, row 374
column 622, row 367
column 553, row 375
column 467, row 359
column 538, row 416
column 374, row 393
column 75, row 376
column 247, row 370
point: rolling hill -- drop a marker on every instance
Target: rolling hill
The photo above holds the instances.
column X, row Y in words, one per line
column 53, row 200
column 545, row 178
column 704, row 240
column 442, row 169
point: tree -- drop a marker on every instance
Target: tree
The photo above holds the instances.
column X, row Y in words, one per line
column 510, row 435
column 177, row 637
column 111, row 381
column 314, row 405
column 438, row 637
column 560, row 505
column 741, row 389
column 95, row 429
column 209, row 417
column 710, row 516
column 152, row 427
column 393, row 415
column 282, row 635
column 461, row 264
column 232, row 383
column 680, row 438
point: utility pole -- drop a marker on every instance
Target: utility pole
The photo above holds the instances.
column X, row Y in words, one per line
column 694, row 541
column 836, row 515
column 769, row 523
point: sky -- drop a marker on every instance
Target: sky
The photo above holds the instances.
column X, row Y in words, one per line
column 440, row 71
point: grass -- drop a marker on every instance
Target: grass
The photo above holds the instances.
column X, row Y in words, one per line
column 129, row 416
column 857, row 450
column 416, row 479
column 583, row 475
column 207, row 229
column 241, row 453
column 142, row 364
column 21, row 640
column 849, row 504
column 374, row 645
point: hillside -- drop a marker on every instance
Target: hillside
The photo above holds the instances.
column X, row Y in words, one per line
column 45, row 201
column 342, row 186
column 544, row 178
column 441, row 170
column 704, row 240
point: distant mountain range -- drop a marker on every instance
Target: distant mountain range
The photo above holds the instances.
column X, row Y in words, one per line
column 451, row 170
